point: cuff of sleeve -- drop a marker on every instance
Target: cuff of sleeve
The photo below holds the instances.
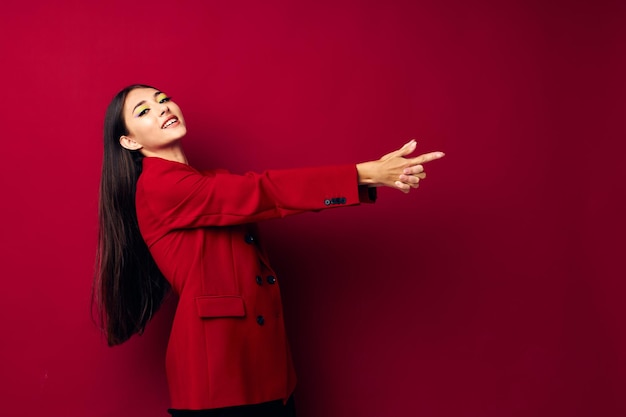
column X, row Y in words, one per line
column 367, row 194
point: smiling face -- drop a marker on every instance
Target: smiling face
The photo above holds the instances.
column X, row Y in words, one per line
column 155, row 123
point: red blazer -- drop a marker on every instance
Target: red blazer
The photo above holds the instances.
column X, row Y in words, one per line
column 228, row 345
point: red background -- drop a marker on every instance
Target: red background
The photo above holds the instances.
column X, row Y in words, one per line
column 494, row 290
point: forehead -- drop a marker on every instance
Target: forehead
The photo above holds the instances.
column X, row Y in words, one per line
column 138, row 95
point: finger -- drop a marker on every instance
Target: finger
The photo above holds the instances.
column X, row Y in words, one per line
column 405, row 188
column 409, row 179
column 427, row 157
column 415, row 169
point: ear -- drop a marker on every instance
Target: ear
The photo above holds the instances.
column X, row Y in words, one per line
column 129, row 143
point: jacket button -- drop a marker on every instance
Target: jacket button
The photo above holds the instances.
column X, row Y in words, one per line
column 260, row 320
column 259, row 280
column 327, row 202
column 271, row 279
column 249, row 238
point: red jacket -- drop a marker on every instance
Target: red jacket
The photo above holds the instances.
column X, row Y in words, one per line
column 228, row 345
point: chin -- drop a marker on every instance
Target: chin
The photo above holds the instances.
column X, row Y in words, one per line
column 180, row 132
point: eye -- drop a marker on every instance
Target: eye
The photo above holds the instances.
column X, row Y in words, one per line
column 142, row 111
column 162, row 98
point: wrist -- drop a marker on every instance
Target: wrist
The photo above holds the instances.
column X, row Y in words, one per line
column 366, row 173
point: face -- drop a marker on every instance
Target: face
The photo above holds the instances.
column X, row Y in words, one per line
column 154, row 122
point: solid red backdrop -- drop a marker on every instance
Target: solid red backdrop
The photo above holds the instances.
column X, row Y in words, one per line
column 494, row 290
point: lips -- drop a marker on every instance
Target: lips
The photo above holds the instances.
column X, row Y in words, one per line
column 169, row 122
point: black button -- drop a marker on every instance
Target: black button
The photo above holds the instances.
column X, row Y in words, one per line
column 343, row 200
column 259, row 280
column 249, row 238
column 271, row 279
column 327, row 202
column 260, row 320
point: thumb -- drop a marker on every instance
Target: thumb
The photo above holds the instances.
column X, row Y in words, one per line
column 406, row 149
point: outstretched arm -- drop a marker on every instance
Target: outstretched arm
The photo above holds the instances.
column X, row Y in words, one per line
column 396, row 169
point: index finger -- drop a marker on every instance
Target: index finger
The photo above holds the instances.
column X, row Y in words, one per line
column 427, row 157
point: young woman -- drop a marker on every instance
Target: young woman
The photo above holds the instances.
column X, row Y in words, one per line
column 164, row 224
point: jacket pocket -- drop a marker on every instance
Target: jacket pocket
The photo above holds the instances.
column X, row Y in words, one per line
column 210, row 306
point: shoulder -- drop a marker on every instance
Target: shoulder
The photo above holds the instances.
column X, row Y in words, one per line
column 158, row 166
column 160, row 177
column 159, row 172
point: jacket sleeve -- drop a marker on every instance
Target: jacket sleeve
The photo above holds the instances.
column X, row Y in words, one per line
column 179, row 196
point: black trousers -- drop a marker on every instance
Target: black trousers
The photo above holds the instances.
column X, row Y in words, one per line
column 270, row 409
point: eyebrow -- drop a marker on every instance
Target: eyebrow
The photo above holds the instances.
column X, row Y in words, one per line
column 143, row 101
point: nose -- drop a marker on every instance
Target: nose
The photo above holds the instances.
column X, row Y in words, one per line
column 164, row 109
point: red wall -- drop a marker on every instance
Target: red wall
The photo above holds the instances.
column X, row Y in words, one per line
column 494, row 290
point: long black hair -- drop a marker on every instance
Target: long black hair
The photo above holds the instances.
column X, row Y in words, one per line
column 128, row 286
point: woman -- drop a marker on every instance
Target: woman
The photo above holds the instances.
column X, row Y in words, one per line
column 164, row 224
